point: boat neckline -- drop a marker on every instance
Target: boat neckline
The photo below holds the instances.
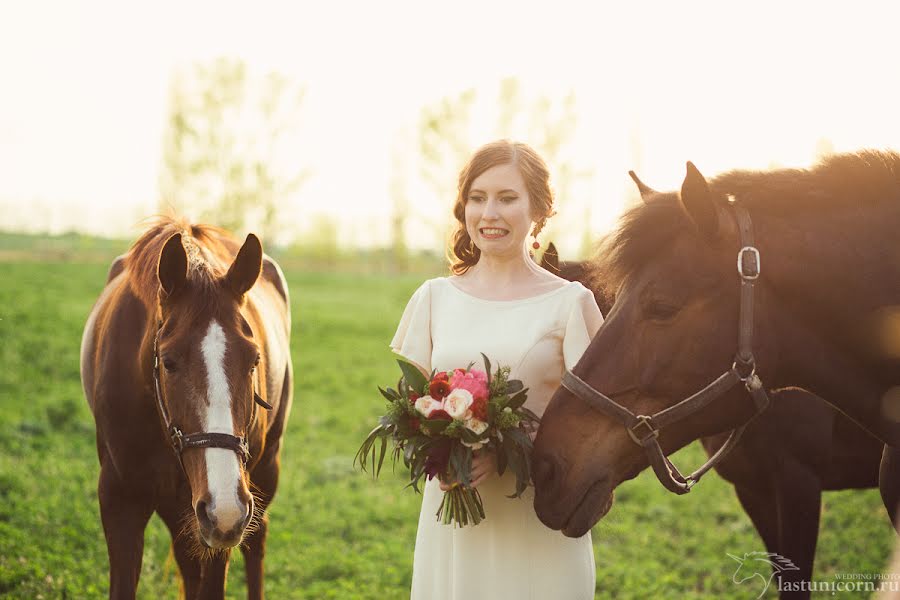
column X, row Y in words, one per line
column 513, row 301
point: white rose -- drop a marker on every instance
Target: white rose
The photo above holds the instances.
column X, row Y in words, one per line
column 457, row 403
column 476, row 426
column 427, row 405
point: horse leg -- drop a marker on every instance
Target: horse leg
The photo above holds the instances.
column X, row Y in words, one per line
column 889, row 482
column 761, row 508
column 798, row 493
column 254, row 550
column 188, row 563
column 124, row 514
column 265, row 480
column 213, row 572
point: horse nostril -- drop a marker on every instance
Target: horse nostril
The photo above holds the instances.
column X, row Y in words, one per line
column 250, row 507
column 205, row 517
column 544, row 471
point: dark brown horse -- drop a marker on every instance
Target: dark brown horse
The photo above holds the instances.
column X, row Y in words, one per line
column 186, row 367
column 786, row 458
column 818, row 311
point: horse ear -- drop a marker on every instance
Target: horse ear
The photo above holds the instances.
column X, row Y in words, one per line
column 550, row 259
column 172, row 267
column 245, row 269
column 698, row 202
column 645, row 190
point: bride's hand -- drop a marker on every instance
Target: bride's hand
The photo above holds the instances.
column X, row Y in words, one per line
column 484, row 464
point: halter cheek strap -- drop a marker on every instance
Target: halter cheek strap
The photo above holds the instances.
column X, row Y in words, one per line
column 644, row 429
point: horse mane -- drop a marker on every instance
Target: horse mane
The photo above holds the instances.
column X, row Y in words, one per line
column 207, row 248
column 865, row 178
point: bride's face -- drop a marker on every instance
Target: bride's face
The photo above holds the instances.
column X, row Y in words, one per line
column 498, row 211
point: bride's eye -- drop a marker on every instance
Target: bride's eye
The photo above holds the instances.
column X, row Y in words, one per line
column 509, row 199
column 476, row 198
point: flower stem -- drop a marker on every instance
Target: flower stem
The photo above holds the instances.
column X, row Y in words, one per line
column 461, row 505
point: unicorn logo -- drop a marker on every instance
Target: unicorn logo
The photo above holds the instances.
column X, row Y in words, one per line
column 758, row 564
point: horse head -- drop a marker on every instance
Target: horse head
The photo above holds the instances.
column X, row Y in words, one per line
column 672, row 330
column 208, row 361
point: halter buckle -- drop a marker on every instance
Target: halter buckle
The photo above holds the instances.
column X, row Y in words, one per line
column 689, row 482
column 645, row 421
column 748, row 264
column 739, row 364
column 177, row 439
column 753, row 382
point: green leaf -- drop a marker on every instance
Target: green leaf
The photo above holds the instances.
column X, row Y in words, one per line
column 494, row 408
column 517, row 400
column 529, row 415
column 501, row 461
column 519, row 437
column 513, row 386
column 413, row 376
column 362, row 455
column 381, row 457
column 487, row 368
column 435, row 426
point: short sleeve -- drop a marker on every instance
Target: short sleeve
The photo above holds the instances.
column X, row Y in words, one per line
column 413, row 338
column 585, row 319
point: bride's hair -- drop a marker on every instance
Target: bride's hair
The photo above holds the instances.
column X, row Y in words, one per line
column 537, row 181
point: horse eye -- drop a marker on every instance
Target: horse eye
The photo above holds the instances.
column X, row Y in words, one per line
column 256, row 363
column 660, row 311
column 169, row 365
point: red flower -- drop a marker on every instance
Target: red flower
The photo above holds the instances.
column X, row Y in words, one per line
column 438, row 459
column 439, row 386
column 413, row 397
column 479, row 409
column 440, row 414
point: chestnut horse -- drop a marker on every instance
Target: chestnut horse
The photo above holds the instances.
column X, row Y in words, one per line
column 786, row 458
column 186, row 367
column 813, row 304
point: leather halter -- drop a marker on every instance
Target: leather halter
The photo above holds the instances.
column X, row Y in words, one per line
column 644, row 429
column 180, row 441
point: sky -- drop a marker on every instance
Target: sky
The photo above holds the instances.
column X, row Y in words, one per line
column 724, row 84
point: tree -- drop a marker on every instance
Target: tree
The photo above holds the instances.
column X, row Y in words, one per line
column 444, row 145
column 548, row 124
column 225, row 134
column 399, row 206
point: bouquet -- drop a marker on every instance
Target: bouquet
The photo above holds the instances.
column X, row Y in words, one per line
column 434, row 424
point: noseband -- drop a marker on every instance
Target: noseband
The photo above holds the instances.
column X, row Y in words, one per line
column 644, row 429
column 180, row 441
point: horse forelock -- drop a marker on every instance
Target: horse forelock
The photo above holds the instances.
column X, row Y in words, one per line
column 642, row 231
column 864, row 178
column 209, row 252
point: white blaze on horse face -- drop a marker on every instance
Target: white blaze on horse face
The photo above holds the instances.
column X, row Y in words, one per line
column 223, row 473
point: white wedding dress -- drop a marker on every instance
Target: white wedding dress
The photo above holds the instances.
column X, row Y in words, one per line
column 511, row 554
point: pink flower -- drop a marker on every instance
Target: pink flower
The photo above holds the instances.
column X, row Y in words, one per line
column 474, row 381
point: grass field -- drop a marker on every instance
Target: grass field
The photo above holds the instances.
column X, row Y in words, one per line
column 334, row 532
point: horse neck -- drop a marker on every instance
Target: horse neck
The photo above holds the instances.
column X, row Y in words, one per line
column 839, row 263
column 824, row 281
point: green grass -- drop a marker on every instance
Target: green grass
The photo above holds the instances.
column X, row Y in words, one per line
column 334, row 532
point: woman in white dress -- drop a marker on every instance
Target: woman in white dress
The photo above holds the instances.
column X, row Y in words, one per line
column 499, row 302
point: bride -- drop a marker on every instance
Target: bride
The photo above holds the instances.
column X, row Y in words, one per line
column 499, row 302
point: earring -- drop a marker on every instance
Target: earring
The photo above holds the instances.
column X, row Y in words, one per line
column 536, row 244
